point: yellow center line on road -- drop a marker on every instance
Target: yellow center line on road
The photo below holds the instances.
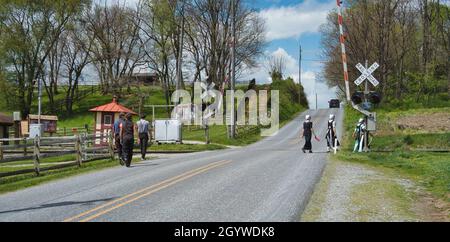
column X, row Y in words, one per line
column 145, row 192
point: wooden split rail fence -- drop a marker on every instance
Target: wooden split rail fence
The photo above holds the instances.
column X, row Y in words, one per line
column 82, row 148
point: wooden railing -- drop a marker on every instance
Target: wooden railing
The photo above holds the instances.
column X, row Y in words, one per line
column 32, row 152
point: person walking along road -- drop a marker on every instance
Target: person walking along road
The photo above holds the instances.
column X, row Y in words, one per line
column 127, row 137
column 143, row 128
column 308, row 132
column 116, row 133
column 332, row 141
column 358, row 135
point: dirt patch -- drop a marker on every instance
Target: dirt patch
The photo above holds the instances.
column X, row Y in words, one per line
column 432, row 123
column 432, row 209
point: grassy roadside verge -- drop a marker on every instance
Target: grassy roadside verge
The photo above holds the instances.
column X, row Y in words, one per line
column 429, row 169
column 184, row 148
column 50, row 161
column 10, row 184
column 400, row 180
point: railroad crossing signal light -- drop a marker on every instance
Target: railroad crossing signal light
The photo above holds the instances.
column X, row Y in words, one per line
column 358, row 98
column 374, row 97
column 367, row 106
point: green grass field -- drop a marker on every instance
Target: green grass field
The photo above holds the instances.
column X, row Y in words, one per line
column 401, row 152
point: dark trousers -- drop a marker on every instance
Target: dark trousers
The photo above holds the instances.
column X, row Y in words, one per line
column 143, row 144
column 118, row 146
column 127, row 149
column 308, row 144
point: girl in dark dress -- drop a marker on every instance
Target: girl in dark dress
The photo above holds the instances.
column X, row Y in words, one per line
column 308, row 132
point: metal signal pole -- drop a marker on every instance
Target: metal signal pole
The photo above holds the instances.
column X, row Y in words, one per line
column 300, row 66
column 300, row 73
column 317, row 105
column 233, row 69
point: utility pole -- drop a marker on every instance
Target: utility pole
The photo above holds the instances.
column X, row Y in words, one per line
column 180, row 50
column 233, row 69
column 300, row 74
column 317, row 106
column 39, row 100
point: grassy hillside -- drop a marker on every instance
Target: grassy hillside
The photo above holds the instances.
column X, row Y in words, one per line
column 290, row 93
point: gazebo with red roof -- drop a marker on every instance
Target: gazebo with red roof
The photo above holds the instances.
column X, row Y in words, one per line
column 106, row 115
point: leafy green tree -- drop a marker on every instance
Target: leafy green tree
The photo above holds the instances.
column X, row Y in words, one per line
column 409, row 39
column 29, row 30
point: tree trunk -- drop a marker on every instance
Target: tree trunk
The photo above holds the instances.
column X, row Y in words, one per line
column 426, row 51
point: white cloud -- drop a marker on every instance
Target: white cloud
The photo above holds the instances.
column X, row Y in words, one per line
column 309, row 79
column 129, row 3
column 293, row 21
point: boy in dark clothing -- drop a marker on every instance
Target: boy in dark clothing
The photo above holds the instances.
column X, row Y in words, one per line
column 127, row 137
column 116, row 133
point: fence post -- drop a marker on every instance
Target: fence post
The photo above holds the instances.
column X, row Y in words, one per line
column 25, row 152
column 1, row 151
column 78, row 150
column 84, row 146
column 37, row 154
column 111, row 145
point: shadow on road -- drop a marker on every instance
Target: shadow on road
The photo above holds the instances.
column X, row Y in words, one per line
column 143, row 165
column 61, row 204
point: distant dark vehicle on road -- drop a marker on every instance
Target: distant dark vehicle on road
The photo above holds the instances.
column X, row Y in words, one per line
column 335, row 103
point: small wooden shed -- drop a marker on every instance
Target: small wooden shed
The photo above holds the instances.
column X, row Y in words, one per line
column 49, row 122
column 146, row 78
column 5, row 123
column 106, row 115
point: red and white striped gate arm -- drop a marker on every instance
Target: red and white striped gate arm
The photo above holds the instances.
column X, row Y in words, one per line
column 344, row 54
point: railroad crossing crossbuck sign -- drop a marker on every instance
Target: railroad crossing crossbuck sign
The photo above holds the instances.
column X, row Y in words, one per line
column 367, row 74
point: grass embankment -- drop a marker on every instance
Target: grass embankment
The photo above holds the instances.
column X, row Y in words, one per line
column 15, row 183
column 400, row 148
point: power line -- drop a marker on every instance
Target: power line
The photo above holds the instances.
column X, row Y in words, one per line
column 312, row 60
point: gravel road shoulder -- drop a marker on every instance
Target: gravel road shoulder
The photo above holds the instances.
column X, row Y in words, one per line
column 351, row 192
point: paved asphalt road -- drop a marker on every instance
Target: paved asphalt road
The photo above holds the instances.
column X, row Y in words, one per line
column 269, row 181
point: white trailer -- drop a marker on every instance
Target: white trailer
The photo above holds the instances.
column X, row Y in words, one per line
column 168, row 131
